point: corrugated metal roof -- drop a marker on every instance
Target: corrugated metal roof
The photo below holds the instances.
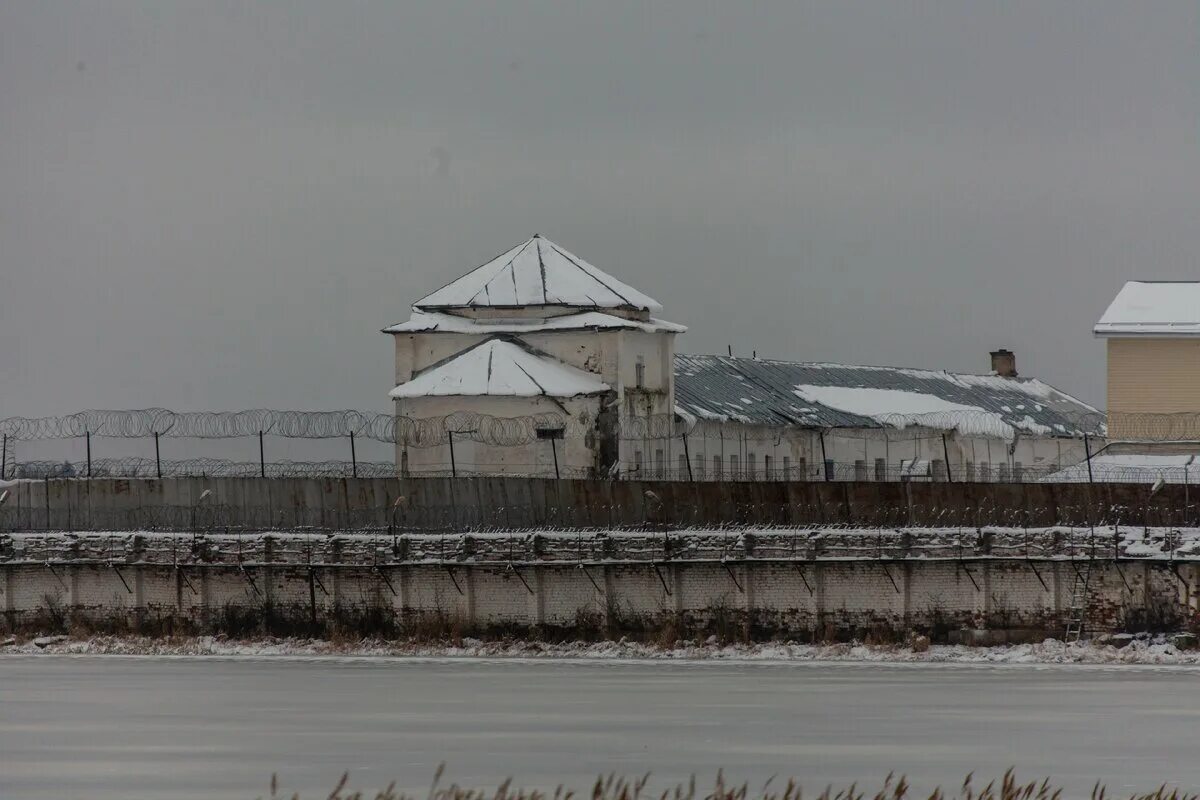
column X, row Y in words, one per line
column 767, row 392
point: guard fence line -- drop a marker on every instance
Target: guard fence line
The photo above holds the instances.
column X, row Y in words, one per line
column 450, row 517
column 502, row 432
column 859, row 471
column 509, row 431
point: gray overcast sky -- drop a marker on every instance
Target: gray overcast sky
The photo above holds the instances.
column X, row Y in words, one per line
column 217, row 205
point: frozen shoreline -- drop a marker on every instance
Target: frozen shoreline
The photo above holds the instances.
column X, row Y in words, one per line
column 1154, row 651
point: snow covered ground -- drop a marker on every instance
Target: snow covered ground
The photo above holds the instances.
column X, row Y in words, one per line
column 1140, row 649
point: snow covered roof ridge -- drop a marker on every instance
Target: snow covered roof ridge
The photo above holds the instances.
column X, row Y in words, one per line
column 537, row 272
column 1158, row 308
column 501, row 367
column 423, row 321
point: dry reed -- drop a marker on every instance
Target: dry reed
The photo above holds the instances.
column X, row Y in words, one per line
column 613, row 787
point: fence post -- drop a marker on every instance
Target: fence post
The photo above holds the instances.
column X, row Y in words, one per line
column 262, row 459
column 554, row 451
column 946, row 455
column 88, row 437
column 1087, row 451
column 824, row 458
column 687, row 457
column 453, row 466
column 157, row 459
column 353, row 457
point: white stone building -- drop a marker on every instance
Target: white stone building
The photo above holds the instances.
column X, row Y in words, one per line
column 537, row 334
column 539, row 363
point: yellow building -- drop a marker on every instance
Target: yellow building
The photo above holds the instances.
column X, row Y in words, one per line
column 1152, row 330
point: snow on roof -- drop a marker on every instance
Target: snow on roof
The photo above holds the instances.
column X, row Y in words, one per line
column 501, row 367
column 815, row 395
column 538, row 272
column 440, row 322
column 1153, row 307
column 899, row 408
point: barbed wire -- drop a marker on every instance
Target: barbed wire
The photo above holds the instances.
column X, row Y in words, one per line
column 143, row 423
column 497, row 431
column 839, row 472
column 137, row 467
column 408, row 431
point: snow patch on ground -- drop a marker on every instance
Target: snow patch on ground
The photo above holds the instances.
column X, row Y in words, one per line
column 1140, row 650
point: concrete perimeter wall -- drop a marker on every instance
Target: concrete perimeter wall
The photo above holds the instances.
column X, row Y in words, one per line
column 475, row 502
column 753, row 600
column 310, row 583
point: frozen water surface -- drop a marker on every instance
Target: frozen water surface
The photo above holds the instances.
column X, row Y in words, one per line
column 114, row 727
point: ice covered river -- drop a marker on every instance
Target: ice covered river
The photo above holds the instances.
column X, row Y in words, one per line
column 105, row 727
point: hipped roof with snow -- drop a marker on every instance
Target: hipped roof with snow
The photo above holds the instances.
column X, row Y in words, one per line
column 500, row 367
column 537, row 272
column 813, row 395
column 1154, row 308
column 441, row 322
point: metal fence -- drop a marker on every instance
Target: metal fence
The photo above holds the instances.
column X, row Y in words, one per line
column 355, row 427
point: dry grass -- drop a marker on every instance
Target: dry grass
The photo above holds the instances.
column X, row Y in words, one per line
column 618, row 788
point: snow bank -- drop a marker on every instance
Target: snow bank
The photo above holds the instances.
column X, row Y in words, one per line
column 1138, row 650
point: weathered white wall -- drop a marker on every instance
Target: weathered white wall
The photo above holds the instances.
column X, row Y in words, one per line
column 756, row 598
column 575, row 451
column 987, row 459
column 614, row 355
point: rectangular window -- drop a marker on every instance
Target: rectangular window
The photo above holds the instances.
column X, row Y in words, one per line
column 640, row 371
column 750, row 467
column 659, row 464
column 699, row 467
column 803, row 471
column 734, row 468
column 787, row 468
column 717, row 467
column 637, row 463
column 1018, row 472
column 880, row 469
column 985, row 472
column 768, row 466
column 683, row 468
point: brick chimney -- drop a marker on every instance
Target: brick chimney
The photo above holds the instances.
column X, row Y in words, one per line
column 1004, row 363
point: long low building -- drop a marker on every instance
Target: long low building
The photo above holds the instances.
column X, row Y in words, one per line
column 539, row 363
column 761, row 418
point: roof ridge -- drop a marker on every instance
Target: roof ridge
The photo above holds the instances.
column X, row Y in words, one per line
column 577, row 283
column 468, row 272
column 848, row 365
